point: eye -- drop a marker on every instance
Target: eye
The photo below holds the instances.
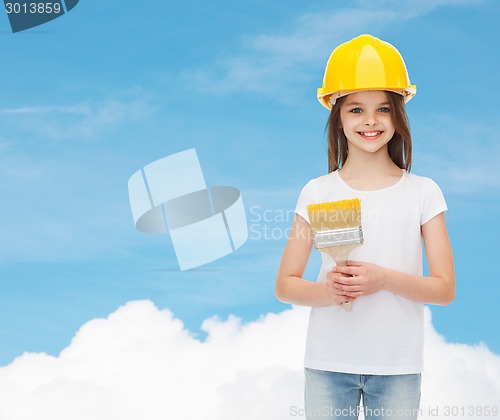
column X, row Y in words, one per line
column 384, row 109
column 356, row 110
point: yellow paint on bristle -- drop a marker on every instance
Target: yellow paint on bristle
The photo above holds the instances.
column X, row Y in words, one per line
column 335, row 215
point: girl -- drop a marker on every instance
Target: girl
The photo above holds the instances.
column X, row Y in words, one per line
column 375, row 351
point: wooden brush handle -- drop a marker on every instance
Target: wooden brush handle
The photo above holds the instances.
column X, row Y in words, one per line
column 341, row 254
column 346, row 305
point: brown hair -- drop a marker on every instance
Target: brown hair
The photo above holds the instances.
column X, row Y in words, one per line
column 399, row 147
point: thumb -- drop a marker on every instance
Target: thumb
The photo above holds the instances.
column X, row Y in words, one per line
column 354, row 263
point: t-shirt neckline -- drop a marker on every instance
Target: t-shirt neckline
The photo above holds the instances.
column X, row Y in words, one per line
column 389, row 187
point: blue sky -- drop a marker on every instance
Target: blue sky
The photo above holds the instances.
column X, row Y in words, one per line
column 95, row 95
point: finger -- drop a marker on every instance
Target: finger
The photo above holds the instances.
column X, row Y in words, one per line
column 339, row 296
column 330, row 281
column 337, row 291
column 344, row 298
column 332, row 275
column 347, row 297
column 352, row 263
column 353, row 292
column 342, row 278
column 350, row 293
column 341, row 292
column 348, row 288
column 347, row 281
column 351, row 271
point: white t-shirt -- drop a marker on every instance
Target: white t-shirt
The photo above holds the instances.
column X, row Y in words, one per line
column 383, row 334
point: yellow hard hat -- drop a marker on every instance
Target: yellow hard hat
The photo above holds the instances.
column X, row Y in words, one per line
column 364, row 63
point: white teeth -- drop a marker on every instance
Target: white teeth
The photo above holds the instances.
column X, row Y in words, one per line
column 370, row 134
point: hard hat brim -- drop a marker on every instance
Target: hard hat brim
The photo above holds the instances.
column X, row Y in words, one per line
column 328, row 99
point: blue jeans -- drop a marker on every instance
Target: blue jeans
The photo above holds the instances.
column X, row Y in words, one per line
column 333, row 395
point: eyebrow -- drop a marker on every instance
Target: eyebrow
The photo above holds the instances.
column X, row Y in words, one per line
column 359, row 103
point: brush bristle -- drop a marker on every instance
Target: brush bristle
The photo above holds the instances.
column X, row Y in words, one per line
column 335, row 215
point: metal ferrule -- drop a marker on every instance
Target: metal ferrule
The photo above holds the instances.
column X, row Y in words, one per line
column 338, row 237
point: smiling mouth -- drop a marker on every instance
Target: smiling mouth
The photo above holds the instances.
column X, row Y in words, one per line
column 370, row 133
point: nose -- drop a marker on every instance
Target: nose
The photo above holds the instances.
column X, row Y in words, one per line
column 370, row 119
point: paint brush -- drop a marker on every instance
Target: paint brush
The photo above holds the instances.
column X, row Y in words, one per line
column 336, row 227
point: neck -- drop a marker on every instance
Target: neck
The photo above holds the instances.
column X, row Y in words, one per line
column 360, row 164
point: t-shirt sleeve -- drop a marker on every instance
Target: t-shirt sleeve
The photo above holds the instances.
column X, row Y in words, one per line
column 305, row 198
column 433, row 201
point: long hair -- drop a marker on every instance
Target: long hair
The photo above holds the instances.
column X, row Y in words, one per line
column 399, row 147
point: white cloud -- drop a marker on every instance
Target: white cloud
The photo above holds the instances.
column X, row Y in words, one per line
column 141, row 362
column 47, row 201
column 462, row 155
column 271, row 63
column 415, row 8
column 79, row 120
column 459, row 375
column 61, row 161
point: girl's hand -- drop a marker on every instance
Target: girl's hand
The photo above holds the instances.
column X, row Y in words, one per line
column 358, row 279
column 336, row 296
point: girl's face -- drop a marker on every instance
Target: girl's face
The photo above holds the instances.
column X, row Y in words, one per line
column 366, row 120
